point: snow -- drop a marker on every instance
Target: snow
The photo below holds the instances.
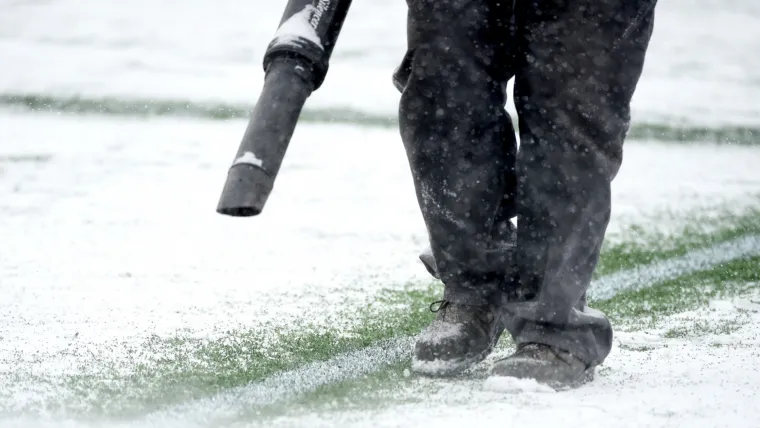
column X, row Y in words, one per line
column 110, row 235
column 699, row 69
column 297, row 28
column 116, row 233
column 436, row 367
column 356, row 364
column 513, row 385
column 440, row 331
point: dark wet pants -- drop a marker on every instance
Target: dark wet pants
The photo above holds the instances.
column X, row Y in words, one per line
column 576, row 64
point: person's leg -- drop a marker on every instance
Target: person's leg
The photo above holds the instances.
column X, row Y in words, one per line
column 578, row 66
column 461, row 146
column 458, row 136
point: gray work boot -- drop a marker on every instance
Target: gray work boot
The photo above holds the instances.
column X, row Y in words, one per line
column 459, row 337
column 546, row 365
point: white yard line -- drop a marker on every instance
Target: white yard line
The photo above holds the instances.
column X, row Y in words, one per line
column 695, row 261
column 282, row 386
column 345, row 367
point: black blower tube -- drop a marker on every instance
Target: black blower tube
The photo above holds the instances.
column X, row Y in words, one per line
column 295, row 65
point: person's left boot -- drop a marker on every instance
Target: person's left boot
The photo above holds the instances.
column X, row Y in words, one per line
column 546, row 365
column 459, row 337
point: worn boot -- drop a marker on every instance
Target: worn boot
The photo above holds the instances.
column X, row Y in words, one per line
column 459, row 337
column 546, row 365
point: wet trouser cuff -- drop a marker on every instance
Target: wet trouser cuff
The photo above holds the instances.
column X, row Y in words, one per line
column 587, row 335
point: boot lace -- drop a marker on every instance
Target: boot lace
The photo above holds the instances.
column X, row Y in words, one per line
column 442, row 304
column 461, row 312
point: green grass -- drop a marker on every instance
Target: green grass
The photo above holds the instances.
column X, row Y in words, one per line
column 699, row 327
column 136, row 107
column 166, row 371
column 685, row 293
column 639, row 246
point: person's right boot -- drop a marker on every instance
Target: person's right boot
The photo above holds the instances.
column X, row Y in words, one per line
column 459, row 337
column 546, row 365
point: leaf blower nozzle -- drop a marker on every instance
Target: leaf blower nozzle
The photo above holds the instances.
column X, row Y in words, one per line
column 295, row 65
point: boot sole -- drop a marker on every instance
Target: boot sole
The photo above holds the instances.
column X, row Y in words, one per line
column 542, row 374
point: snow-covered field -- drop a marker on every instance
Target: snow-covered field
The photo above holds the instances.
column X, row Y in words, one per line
column 701, row 67
column 108, row 233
